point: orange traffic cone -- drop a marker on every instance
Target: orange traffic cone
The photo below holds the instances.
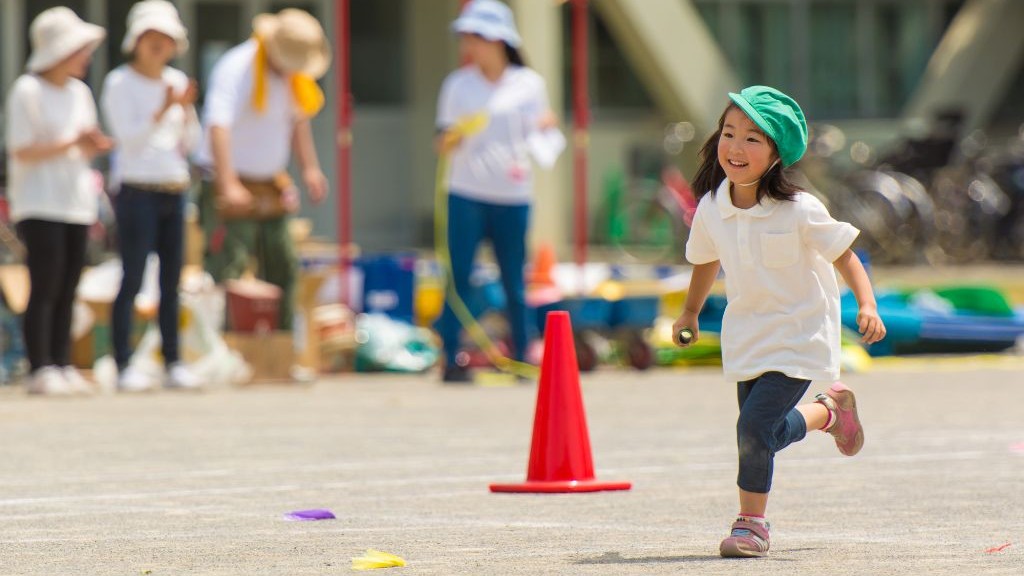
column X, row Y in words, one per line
column 560, row 459
column 543, row 266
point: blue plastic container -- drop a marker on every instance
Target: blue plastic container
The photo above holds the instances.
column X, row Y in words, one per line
column 388, row 281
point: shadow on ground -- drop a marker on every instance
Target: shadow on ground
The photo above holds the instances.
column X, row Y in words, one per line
column 617, row 558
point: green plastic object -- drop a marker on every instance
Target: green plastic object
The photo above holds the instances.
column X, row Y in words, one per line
column 977, row 300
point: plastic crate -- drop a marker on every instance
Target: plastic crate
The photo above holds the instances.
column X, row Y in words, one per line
column 634, row 312
column 585, row 313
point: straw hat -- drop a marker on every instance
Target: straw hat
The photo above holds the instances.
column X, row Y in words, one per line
column 295, row 41
column 158, row 15
column 58, row 33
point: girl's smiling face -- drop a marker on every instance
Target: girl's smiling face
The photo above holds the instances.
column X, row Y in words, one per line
column 744, row 151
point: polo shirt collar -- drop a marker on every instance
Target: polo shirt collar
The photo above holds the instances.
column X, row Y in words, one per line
column 726, row 208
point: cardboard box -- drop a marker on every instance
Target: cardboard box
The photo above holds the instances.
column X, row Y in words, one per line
column 15, row 284
column 195, row 241
column 270, row 354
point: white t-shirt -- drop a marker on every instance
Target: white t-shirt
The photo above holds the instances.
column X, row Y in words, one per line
column 494, row 165
column 60, row 188
column 147, row 152
column 783, row 313
column 260, row 141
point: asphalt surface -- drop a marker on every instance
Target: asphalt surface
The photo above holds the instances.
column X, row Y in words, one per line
column 169, row 484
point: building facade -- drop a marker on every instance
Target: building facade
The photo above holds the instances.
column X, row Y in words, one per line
column 654, row 63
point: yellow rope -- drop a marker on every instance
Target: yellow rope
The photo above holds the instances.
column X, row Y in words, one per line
column 464, row 128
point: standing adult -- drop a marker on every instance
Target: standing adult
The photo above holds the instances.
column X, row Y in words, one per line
column 490, row 185
column 149, row 107
column 262, row 95
column 52, row 135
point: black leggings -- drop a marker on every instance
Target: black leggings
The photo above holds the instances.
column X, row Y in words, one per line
column 55, row 257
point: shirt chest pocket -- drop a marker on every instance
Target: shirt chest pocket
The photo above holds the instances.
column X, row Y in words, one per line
column 779, row 250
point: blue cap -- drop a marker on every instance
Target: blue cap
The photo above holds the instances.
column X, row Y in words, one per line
column 490, row 19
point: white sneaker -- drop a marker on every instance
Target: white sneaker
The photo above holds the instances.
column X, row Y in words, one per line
column 77, row 383
column 48, row 381
column 132, row 379
column 180, row 377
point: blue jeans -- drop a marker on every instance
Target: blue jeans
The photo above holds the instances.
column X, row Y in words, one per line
column 469, row 222
column 768, row 423
column 148, row 222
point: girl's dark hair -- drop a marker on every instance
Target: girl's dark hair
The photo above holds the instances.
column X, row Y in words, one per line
column 514, row 56
column 774, row 183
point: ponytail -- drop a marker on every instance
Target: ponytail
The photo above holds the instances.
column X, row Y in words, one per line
column 514, row 56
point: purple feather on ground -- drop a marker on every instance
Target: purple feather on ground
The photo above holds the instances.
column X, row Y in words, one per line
column 309, row 515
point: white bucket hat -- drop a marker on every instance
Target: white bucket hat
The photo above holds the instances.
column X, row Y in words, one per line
column 490, row 19
column 158, row 15
column 295, row 41
column 58, row 33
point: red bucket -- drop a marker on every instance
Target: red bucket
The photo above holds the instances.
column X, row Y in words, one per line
column 252, row 305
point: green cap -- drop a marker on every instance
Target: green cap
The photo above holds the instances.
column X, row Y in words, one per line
column 779, row 116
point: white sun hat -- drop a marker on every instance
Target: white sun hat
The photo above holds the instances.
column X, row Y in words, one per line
column 58, row 33
column 490, row 19
column 158, row 15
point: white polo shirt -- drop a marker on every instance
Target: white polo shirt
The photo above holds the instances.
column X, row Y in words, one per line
column 260, row 141
column 783, row 313
column 494, row 165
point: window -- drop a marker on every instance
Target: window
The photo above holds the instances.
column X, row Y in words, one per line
column 833, row 60
column 218, row 28
column 613, row 84
column 378, row 56
column 764, row 34
column 840, row 58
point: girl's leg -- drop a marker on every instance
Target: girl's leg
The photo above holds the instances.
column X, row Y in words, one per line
column 507, row 227
column 465, row 230
column 136, row 227
column 768, row 423
column 75, row 238
column 45, row 260
column 815, row 415
column 170, row 248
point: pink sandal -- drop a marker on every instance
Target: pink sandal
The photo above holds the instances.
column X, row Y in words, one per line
column 747, row 540
column 846, row 429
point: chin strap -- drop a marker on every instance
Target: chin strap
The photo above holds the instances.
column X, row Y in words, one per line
column 751, row 183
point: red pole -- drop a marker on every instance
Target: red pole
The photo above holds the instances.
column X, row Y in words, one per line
column 581, row 125
column 342, row 76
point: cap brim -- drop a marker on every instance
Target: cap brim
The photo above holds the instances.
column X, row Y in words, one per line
column 753, row 114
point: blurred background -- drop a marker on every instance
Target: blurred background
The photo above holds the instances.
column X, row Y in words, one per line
column 916, row 109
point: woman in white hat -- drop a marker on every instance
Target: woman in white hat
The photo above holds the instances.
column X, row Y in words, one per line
column 490, row 183
column 149, row 108
column 52, row 135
